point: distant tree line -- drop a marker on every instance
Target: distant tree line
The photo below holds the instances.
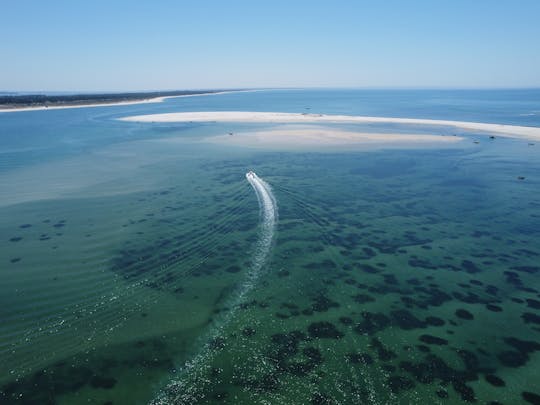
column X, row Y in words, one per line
column 44, row 99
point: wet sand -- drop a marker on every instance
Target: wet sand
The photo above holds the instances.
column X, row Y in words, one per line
column 305, row 136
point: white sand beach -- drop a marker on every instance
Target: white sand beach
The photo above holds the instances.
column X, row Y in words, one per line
column 119, row 103
column 62, row 107
column 512, row 131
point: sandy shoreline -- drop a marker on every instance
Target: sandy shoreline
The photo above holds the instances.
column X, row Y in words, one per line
column 119, row 103
column 513, row 131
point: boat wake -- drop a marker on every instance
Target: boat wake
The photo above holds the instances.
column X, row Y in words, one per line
column 268, row 212
column 188, row 386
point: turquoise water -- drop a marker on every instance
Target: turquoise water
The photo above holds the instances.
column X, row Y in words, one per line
column 129, row 257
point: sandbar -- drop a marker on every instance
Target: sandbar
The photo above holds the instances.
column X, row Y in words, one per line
column 290, row 136
column 512, row 131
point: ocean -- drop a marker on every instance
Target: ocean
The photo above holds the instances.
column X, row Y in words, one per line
column 140, row 265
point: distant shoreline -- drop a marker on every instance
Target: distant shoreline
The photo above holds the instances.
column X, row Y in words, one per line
column 93, row 100
column 511, row 131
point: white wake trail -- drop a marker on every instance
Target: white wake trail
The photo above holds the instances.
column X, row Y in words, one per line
column 268, row 212
column 192, row 376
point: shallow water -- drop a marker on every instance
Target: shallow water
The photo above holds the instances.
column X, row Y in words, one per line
column 394, row 276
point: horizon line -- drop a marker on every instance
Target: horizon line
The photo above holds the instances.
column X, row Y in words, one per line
column 261, row 88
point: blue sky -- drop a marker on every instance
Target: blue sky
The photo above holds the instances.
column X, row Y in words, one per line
column 115, row 45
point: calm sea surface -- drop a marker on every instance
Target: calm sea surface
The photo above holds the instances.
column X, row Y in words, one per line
column 137, row 263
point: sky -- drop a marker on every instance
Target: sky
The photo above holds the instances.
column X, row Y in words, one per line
column 120, row 45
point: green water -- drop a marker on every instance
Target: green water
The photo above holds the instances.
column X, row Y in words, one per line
column 395, row 276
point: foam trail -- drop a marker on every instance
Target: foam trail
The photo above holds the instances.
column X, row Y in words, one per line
column 268, row 210
column 192, row 376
